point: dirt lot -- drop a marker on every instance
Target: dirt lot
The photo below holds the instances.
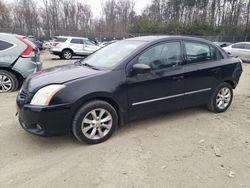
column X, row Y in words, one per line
column 174, row 150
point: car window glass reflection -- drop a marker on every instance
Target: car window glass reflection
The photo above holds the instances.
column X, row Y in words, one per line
column 197, row 52
column 162, row 56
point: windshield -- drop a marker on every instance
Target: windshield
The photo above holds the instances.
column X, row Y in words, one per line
column 111, row 55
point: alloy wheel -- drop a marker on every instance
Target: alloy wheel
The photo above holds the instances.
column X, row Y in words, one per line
column 67, row 55
column 223, row 98
column 97, row 124
column 5, row 83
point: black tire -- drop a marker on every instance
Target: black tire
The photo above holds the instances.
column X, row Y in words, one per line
column 84, row 111
column 13, row 80
column 212, row 105
column 67, row 54
column 61, row 57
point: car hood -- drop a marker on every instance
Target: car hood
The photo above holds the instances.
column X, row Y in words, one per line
column 58, row 75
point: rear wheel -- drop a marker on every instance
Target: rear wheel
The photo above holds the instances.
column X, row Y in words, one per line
column 8, row 82
column 95, row 122
column 67, row 54
column 221, row 98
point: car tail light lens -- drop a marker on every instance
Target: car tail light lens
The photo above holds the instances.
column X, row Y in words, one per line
column 29, row 52
column 56, row 43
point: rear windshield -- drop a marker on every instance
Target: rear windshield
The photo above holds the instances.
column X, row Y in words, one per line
column 60, row 39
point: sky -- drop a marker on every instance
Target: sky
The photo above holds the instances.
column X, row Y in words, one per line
column 96, row 6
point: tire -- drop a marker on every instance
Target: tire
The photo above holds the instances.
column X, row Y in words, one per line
column 85, row 120
column 220, row 93
column 11, row 83
column 61, row 57
column 67, row 54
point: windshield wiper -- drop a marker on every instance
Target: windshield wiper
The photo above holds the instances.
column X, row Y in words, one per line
column 91, row 66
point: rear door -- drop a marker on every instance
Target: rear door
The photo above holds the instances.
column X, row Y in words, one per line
column 202, row 72
column 77, row 45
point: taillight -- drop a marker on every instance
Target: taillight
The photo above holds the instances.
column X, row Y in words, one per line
column 55, row 43
column 29, row 52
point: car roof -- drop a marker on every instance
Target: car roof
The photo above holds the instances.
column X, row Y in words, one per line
column 242, row 43
column 70, row 37
column 167, row 37
column 8, row 34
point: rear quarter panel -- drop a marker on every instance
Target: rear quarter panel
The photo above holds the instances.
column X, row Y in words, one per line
column 9, row 56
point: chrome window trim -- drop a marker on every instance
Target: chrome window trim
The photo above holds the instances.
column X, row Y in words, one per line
column 172, row 96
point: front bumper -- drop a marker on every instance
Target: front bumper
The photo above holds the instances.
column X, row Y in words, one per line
column 45, row 121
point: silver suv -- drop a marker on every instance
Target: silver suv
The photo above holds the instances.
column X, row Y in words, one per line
column 67, row 47
column 18, row 59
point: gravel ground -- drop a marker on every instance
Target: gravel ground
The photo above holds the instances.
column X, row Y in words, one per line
column 188, row 148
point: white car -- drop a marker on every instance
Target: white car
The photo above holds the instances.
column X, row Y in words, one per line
column 241, row 50
column 67, row 47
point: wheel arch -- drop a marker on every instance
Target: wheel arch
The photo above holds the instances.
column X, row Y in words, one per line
column 69, row 50
column 19, row 77
column 122, row 119
column 231, row 83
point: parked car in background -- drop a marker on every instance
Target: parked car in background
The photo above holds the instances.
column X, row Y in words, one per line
column 67, row 47
column 106, row 43
column 38, row 43
column 223, row 44
column 46, row 44
column 241, row 50
column 18, row 59
column 124, row 81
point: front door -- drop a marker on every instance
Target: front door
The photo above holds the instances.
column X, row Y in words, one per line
column 160, row 89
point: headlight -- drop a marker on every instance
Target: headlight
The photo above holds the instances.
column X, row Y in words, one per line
column 43, row 96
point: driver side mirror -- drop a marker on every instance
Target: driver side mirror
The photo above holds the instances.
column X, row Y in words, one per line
column 140, row 68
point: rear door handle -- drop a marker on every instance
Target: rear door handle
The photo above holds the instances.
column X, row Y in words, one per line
column 216, row 70
column 178, row 78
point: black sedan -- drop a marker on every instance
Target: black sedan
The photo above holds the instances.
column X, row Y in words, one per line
column 124, row 81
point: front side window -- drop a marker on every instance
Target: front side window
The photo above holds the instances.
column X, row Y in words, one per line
column 199, row 52
column 5, row 45
column 88, row 42
column 76, row 41
column 162, row 55
column 239, row 46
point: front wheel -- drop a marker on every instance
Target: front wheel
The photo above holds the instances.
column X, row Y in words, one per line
column 221, row 98
column 95, row 122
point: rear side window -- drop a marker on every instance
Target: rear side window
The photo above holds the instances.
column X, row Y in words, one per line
column 60, row 39
column 77, row 41
column 239, row 46
column 199, row 52
column 5, row 45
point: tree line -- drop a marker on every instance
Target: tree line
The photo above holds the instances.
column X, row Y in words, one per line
column 46, row 18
